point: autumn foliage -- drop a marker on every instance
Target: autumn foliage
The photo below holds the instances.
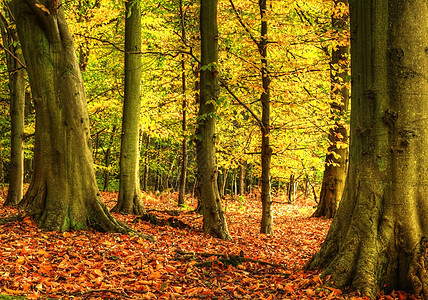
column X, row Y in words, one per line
column 180, row 264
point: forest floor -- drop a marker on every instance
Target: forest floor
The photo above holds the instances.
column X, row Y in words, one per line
column 180, row 264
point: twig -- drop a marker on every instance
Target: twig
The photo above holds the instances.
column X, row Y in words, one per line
column 103, row 291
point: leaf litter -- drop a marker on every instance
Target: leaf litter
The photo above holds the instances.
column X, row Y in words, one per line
column 180, row 264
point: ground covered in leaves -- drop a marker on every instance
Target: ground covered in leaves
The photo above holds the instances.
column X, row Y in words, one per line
column 180, row 264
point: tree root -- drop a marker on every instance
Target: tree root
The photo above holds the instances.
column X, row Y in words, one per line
column 418, row 269
column 233, row 260
column 6, row 220
column 172, row 222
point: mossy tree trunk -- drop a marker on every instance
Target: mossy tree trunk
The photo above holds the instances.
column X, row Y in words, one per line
column 129, row 199
column 63, row 193
column 336, row 161
column 17, row 111
column 379, row 237
column 214, row 218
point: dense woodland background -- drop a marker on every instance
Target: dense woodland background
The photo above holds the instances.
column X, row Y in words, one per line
column 301, row 39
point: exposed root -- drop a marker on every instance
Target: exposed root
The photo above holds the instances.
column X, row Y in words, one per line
column 6, row 220
column 417, row 274
column 172, row 222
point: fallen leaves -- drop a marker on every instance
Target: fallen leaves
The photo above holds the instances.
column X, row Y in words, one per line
column 93, row 265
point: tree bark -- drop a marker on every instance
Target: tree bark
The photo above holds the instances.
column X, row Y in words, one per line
column 146, row 164
column 184, row 156
column 214, row 219
column 129, row 199
column 267, row 217
column 378, row 239
column 336, row 160
column 63, row 193
column 242, row 174
column 17, row 108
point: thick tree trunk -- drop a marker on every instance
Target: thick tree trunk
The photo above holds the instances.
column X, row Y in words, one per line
column 129, row 199
column 336, row 161
column 378, row 239
column 17, row 109
column 63, row 193
column 214, row 219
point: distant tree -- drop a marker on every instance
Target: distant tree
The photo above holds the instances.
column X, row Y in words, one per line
column 336, row 161
column 266, row 225
column 184, row 155
column 214, row 218
column 17, row 84
column 63, row 193
column 378, row 238
column 129, row 200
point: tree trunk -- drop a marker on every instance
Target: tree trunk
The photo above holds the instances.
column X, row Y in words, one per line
column 107, row 154
column 267, row 217
column 290, row 189
column 214, row 219
column 336, row 162
column 378, row 239
column 242, row 174
column 129, row 200
column 146, row 164
column 63, row 193
column 17, row 109
column 184, row 156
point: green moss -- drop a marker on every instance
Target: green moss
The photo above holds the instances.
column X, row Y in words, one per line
column 12, row 297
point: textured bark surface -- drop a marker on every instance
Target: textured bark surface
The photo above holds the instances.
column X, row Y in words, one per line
column 63, row 193
column 378, row 239
column 17, row 111
column 129, row 200
column 336, row 161
column 214, row 219
column 266, row 225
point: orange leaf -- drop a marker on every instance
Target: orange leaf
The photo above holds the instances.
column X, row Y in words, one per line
column 310, row 292
column 155, row 275
column 97, row 272
column 336, row 292
column 20, row 260
column 13, row 292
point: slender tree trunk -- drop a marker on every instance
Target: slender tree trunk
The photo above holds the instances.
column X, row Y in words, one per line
column 146, row 164
column 214, row 219
column 184, row 156
column 267, row 217
column 63, row 193
column 242, row 173
column 378, row 238
column 129, row 200
column 336, row 161
column 17, row 109
column 223, row 186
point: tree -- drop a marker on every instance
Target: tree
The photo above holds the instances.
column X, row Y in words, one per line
column 266, row 225
column 184, row 156
column 336, row 164
column 63, row 193
column 378, row 239
column 17, row 83
column 129, row 200
column 214, row 219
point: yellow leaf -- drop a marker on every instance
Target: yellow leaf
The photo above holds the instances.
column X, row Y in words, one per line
column 20, row 260
column 42, row 7
column 97, row 272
